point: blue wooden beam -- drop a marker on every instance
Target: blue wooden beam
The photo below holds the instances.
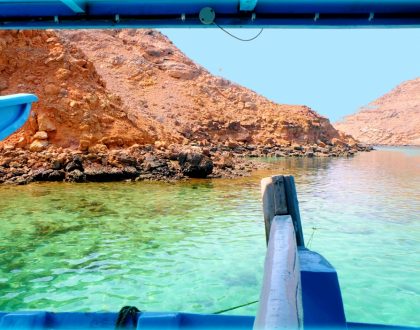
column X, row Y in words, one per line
column 80, row 14
column 247, row 5
column 79, row 7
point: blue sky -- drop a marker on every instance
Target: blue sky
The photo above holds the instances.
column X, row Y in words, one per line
column 332, row 71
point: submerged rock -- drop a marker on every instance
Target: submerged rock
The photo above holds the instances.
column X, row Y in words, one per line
column 76, row 176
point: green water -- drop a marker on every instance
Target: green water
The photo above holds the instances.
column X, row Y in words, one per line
column 199, row 246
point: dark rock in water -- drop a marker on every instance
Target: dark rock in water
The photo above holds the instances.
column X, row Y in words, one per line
column 76, row 176
column 172, row 155
column 41, row 175
column 22, row 180
column 310, row 154
column 75, row 164
column 126, row 159
column 151, row 163
column 106, row 174
column 46, row 175
column 130, row 172
column 56, row 175
column 56, row 164
column 279, row 154
column 195, row 165
column 147, row 176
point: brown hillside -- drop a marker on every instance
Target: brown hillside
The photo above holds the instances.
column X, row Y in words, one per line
column 75, row 108
column 154, row 79
column 393, row 119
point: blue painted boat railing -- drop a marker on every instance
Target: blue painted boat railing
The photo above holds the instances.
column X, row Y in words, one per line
column 14, row 112
column 145, row 321
column 65, row 14
column 300, row 287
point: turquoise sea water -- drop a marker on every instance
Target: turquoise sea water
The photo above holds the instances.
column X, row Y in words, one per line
column 199, row 246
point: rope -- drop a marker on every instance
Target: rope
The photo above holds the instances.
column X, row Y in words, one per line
column 312, row 236
column 236, row 307
column 127, row 318
column 236, row 37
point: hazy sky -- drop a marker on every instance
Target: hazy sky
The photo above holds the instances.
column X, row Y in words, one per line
column 332, row 71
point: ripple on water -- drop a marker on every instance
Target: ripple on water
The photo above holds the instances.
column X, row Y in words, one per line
column 199, row 246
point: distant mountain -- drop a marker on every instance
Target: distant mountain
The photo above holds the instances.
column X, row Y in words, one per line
column 392, row 119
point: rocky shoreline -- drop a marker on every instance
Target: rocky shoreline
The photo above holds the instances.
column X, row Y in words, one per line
column 137, row 163
column 128, row 105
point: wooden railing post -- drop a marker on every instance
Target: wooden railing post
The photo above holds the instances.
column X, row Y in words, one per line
column 281, row 295
column 279, row 197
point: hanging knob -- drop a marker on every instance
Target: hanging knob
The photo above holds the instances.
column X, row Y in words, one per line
column 207, row 15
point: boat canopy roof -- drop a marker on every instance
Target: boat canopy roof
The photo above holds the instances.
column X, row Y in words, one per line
column 56, row 14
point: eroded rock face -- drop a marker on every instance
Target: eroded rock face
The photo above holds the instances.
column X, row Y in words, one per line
column 155, row 80
column 124, row 87
column 194, row 164
column 393, row 119
column 74, row 108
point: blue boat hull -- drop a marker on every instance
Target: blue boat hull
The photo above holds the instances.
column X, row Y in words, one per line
column 14, row 112
column 146, row 320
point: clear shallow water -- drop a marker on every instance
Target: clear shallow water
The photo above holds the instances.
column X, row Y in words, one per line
column 199, row 246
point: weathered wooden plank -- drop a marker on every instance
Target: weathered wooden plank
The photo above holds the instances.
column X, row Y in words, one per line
column 280, row 202
column 274, row 200
column 281, row 295
column 268, row 204
column 293, row 207
column 279, row 198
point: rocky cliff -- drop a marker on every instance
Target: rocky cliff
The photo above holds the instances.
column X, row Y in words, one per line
column 393, row 119
column 128, row 103
column 156, row 80
column 76, row 109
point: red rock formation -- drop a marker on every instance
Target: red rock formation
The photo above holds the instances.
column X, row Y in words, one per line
column 75, row 108
column 119, row 87
column 393, row 119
